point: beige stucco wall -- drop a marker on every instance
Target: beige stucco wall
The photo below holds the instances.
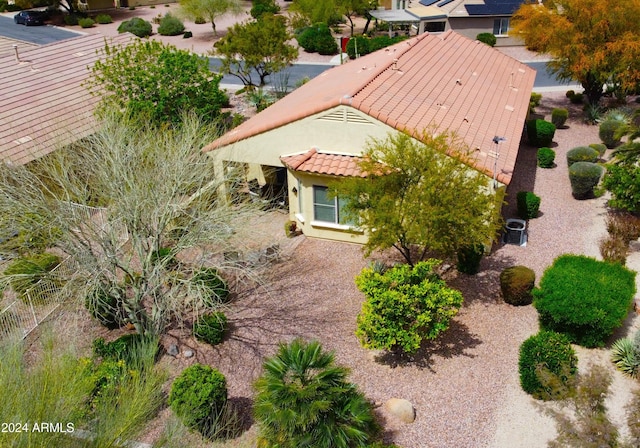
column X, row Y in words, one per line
column 303, row 184
column 322, row 131
column 472, row 26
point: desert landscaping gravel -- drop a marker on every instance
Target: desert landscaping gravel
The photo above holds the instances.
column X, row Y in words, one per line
column 464, row 386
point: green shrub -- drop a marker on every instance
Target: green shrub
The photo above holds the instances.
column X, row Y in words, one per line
column 516, row 284
column 304, row 399
column 103, row 19
column 198, row 397
column 534, row 101
column 607, row 132
column 559, row 117
column 86, row 22
column 584, row 176
column 362, row 44
column 170, row 26
column 261, row 7
column 577, row 98
column 210, row 328
column 427, row 306
column 106, row 306
column 379, row 42
column 584, row 298
column 540, row 132
column 528, row 204
column 317, row 39
column 25, row 272
column 598, row 147
column 546, row 157
column 623, row 181
column 187, row 35
column 570, row 93
column 582, row 154
column 326, row 45
column 213, row 288
column 199, row 21
column 124, row 348
column 469, row 259
column 70, row 19
column 487, row 38
column 136, row 26
column 547, row 366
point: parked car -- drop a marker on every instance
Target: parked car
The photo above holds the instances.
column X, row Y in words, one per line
column 30, row 18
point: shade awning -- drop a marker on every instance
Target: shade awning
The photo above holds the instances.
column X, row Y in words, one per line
column 394, row 15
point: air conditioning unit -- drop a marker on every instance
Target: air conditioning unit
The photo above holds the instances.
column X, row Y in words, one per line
column 515, row 232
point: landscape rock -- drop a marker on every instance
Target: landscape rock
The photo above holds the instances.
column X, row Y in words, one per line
column 188, row 353
column 401, row 408
column 173, row 350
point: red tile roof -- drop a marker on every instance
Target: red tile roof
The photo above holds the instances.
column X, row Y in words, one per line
column 444, row 80
column 43, row 103
column 324, row 163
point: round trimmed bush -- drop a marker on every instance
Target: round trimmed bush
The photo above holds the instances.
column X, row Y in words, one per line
column 326, row 44
column 70, row 19
column 607, row 132
column 103, row 19
column 547, row 365
column 577, row 98
column 215, row 288
column 170, row 26
column 546, row 157
column 582, row 154
column 198, row 396
column 516, row 284
column 362, row 44
column 469, row 259
column 540, row 132
column 210, row 328
column 528, row 204
column 318, row 39
column 584, row 176
column 584, row 298
column 136, row 26
column 559, row 117
column 598, row 147
column 187, row 35
column 487, row 38
column 107, row 307
column 86, row 22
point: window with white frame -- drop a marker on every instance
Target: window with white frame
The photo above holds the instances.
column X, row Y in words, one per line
column 501, row 26
column 327, row 208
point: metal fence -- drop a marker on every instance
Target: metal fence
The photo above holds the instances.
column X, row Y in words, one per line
column 23, row 314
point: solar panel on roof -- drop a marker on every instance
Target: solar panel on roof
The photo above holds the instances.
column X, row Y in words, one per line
column 494, row 7
column 427, row 2
column 444, row 2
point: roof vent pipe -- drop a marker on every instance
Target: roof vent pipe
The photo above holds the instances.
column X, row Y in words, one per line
column 15, row 49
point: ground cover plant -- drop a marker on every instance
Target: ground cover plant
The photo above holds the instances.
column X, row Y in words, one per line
column 584, row 298
column 304, row 399
column 404, row 306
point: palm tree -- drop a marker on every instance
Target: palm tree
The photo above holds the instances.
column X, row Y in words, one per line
column 304, row 400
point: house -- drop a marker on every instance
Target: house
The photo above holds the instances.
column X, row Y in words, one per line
column 467, row 17
column 317, row 132
column 43, row 102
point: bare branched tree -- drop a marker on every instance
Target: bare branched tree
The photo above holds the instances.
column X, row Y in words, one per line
column 160, row 218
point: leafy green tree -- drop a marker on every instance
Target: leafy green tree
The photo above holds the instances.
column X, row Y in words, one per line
column 416, row 198
column 157, row 192
column 316, row 11
column 352, row 8
column 210, row 10
column 158, row 81
column 259, row 45
column 404, row 306
column 303, row 399
column 592, row 41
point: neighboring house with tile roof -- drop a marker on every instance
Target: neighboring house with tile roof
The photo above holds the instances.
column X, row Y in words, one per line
column 467, row 17
column 318, row 132
column 43, row 102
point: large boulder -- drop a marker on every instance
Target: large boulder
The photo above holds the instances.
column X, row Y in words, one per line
column 401, row 408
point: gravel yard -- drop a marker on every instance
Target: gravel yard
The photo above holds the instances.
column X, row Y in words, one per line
column 464, row 385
